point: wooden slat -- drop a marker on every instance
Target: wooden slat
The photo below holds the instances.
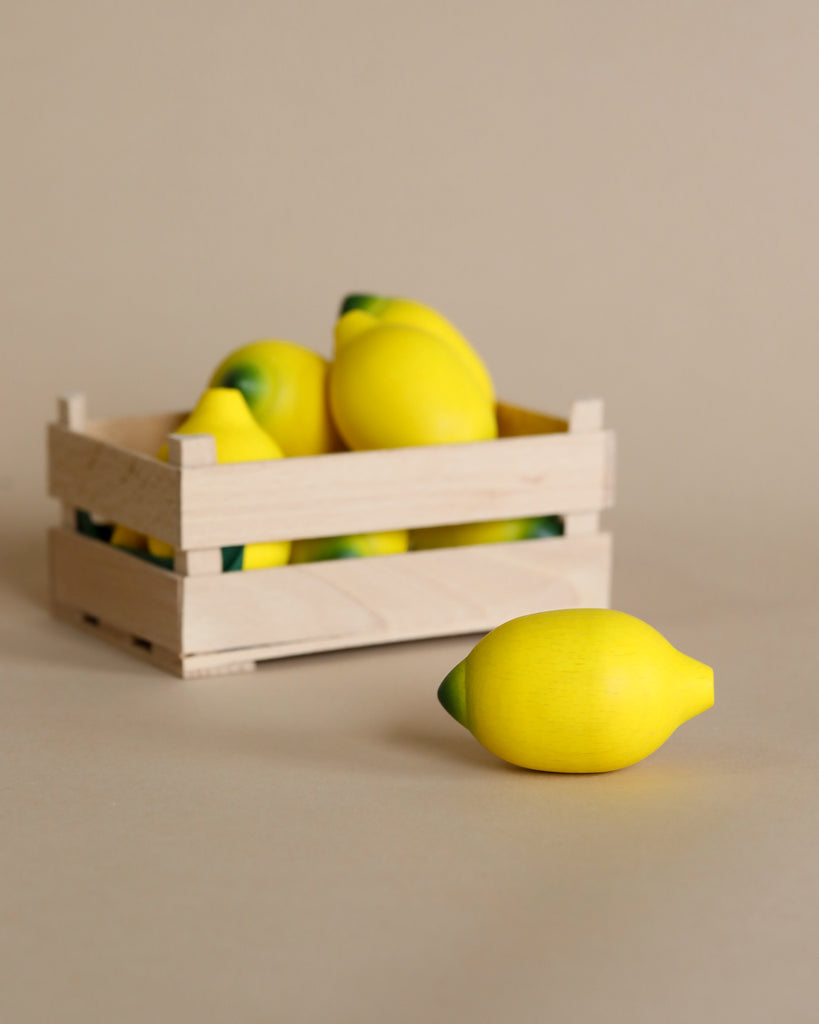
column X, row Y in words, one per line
column 96, row 579
column 352, row 602
column 144, row 434
column 191, row 451
column 580, row 524
column 207, row 562
column 355, row 492
column 122, row 486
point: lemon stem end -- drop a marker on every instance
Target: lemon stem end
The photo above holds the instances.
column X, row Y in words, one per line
column 452, row 693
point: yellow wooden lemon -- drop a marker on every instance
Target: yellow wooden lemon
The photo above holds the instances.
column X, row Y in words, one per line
column 416, row 314
column 355, row 545
column 393, row 386
column 224, row 413
column 131, row 540
column 285, row 386
column 495, row 531
column 579, row 690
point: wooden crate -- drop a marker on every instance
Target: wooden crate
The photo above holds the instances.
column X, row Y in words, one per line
column 197, row 620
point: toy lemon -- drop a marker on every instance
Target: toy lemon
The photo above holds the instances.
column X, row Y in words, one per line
column 224, row 413
column 393, row 386
column 285, row 386
column 130, row 540
column 355, row 545
column 495, row 531
column 578, row 690
column 416, row 314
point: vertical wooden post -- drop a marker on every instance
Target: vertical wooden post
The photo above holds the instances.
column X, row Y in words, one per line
column 71, row 414
column 585, row 417
column 189, row 451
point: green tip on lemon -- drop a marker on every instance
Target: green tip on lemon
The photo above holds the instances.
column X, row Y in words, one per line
column 548, row 526
column 452, row 693
column 358, row 300
column 245, row 378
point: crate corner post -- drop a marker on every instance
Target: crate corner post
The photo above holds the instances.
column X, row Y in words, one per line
column 187, row 452
column 72, row 415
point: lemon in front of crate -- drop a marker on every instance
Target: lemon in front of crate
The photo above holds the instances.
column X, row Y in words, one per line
column 392, row 386
column 285, row 386
column 224, row 413
column 416, row 314
column 355, row 545
column 576, row 690
column 494, row 531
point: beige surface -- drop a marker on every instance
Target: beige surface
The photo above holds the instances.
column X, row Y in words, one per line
column 608, row 198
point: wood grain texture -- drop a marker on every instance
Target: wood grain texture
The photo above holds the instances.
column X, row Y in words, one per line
column 119, row 485
column 581, row 524
column 352, row 602
column 200, row 621
column 191, row 450
column 585, row 417
column 356, row 492
column 143, row 434
column 98, row 580
column 195, row 667
column 199, row 562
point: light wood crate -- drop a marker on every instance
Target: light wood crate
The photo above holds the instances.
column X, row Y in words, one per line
column 196, row 620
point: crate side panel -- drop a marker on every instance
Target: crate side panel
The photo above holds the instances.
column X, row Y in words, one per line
column 353, row 602
column 123, row 486
column 95, row 579
column 355, row 492
column 144, row 434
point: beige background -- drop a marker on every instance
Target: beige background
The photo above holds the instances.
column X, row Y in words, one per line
column 609, row 198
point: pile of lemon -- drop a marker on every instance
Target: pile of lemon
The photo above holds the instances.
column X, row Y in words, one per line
column 402, row 375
